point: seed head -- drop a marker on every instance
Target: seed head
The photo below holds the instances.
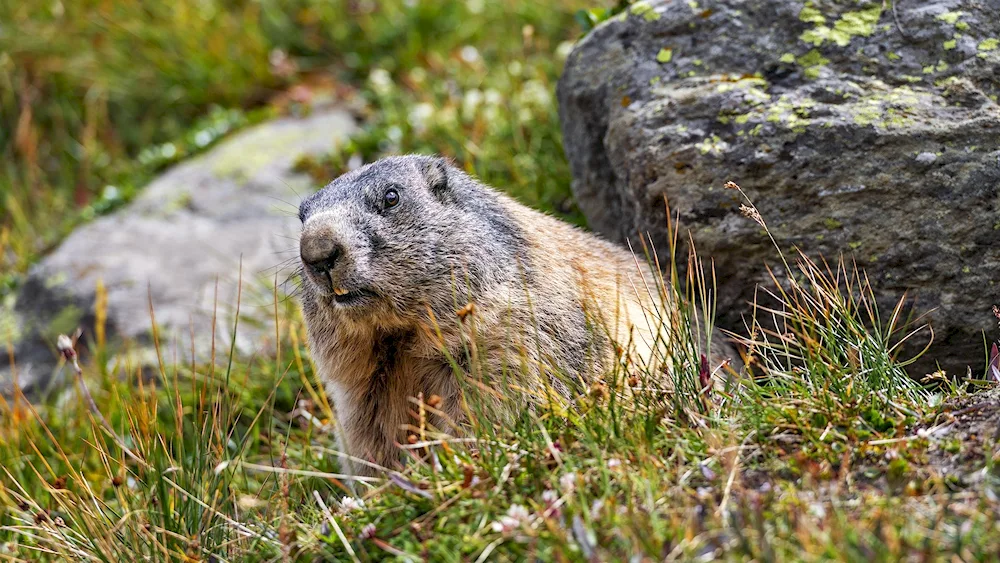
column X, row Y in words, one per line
column 752, row 213
column 730, row 185
column 65, row 346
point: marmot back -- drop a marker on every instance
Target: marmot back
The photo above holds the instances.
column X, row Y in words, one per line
column 393, row 250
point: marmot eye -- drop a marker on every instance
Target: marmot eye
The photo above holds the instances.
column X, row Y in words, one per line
column 391, row 198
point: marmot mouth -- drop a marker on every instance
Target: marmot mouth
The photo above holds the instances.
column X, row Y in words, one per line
column 351, row 297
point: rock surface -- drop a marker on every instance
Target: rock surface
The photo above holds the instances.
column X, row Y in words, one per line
column 188, row 230
column 858, row 128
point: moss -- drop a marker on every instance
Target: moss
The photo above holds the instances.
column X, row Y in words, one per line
column 181, row 200
column 713, row 145
column 816, row 36
column 949, row 45
column 831, row 223
column 812, row 62
column 867, row 116
column 893, row 56
column 851, row 24
column 792, row 115
column 56, row 280
column 889, row 109
column 665, row 55
column 254, row 151
column 787, row 58
column 860, row 23
column 752, row 86
column 950, row 17
column 645, row 10
column 810, row 14
column 988, row 45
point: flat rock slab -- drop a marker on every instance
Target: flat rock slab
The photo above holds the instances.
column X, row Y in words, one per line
column 178, row 245
column 866, row 129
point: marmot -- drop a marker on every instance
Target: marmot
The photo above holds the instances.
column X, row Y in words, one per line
column 394, row 253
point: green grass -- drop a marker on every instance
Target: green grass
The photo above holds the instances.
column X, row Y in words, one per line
column 816, row 456
column 823, row 452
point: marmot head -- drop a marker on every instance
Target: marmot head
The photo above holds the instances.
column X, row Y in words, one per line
column 382, row 243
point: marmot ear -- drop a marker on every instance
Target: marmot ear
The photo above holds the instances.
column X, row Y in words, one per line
column 435, row 172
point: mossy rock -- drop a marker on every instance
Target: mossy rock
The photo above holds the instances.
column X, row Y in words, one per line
column 221, row 222
column 879, row 118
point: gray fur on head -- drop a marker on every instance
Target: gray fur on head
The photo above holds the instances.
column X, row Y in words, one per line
column 444, row 224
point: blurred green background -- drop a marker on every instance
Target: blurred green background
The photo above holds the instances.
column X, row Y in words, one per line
column 96, row 96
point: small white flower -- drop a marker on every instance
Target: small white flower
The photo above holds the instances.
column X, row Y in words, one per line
column 203, row 138
column 110, row 192
column 419, row 116
column 381, row 81
column 469, row 54
column 516, row 516
column 614, row 462
column 518, row 512
column 367, row 532
column 395, row 134
column 567, row 483
column 350, row 504
column 168, row 150
column 470, row 104
column 535, row 93
column 564, row 49
column 504, row 525
column 550, row 497
column 493, row 97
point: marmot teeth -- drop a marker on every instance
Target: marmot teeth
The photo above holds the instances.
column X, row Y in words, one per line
column 339, row 291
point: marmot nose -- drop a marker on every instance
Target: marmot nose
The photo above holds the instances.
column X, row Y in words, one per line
column 320, row 254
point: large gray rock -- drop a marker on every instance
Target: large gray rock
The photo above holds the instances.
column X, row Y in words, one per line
column 189, row 230
column 857, row 128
